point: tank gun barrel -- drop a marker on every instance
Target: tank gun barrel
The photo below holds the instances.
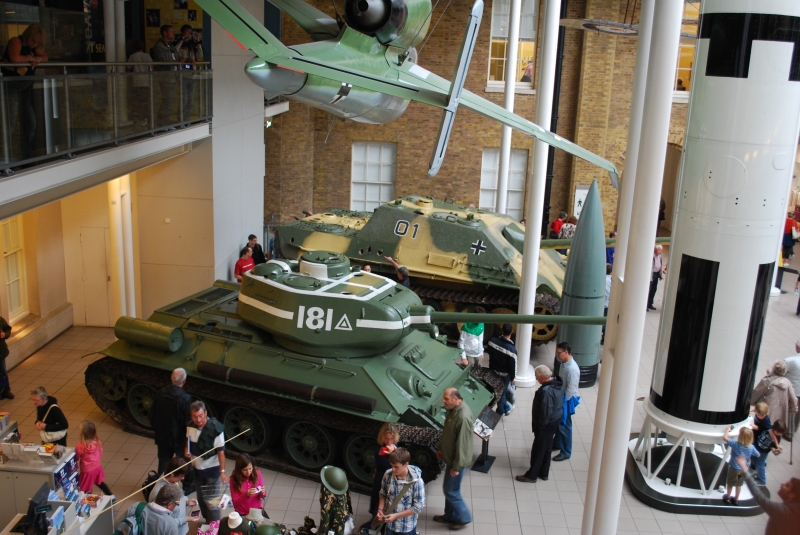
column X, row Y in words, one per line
column 453, row 317
column 565, row 244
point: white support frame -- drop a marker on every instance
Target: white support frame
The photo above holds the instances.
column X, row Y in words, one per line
column 648, row 439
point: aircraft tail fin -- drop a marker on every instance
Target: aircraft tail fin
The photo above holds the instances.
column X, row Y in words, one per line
column 456, row 86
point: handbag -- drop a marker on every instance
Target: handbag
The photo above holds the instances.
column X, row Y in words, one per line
column 377, row 525
column 764, row 393
column 51, row 436
column 795, row 233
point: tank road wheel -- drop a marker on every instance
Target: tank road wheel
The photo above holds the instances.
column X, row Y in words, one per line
column 425, row 459
column 359, row 457
column 546, row 305
column 111, row 386
column 237, row 419
column 141, row 398
column 309, row 445
column 498, row 327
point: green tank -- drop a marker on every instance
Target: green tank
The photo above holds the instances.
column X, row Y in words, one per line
column 457, row 256
column 312, row 356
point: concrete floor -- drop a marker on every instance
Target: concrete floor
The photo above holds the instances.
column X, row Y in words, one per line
column 499, row 504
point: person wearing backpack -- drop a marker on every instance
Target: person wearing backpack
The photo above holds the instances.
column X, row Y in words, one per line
column 153, row 518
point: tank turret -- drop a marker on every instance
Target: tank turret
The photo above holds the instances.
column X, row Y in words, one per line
column 458, row 256
column 320, row 307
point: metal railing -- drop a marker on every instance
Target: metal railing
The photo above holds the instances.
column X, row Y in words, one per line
column 66, row 108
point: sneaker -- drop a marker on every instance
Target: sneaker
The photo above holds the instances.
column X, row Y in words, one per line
column 440, row 518
column 524, row 479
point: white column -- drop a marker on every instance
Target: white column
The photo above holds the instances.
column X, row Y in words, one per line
column 119, row 44
column 535, row 189
column 117, row 249
column 109, row 30
column 127, row 245
column 633, row 300
column 624, row 206
column 510, row 91
column 119, row 27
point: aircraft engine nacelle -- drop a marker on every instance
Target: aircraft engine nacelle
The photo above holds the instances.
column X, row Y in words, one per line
column 274, row 80
column 344, row 101
column 400, row 23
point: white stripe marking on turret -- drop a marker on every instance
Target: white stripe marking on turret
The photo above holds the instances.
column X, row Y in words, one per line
column 285, row 314
column 392, row 325
column 379, row 324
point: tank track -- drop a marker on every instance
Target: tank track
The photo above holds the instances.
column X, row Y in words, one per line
column 489, row 300
column 426, row 438
column 496, row 297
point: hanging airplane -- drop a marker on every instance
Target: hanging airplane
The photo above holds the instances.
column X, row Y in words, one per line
column 365, row 67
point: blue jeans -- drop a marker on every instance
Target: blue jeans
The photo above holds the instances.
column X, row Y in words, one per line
column 760, row 463
column 455, row 509
column 563, row 439
column 503, row 405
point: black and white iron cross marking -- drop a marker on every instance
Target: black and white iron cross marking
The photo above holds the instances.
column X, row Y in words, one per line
column 478, row 247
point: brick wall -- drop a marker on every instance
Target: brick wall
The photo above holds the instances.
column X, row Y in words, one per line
column 304, row 171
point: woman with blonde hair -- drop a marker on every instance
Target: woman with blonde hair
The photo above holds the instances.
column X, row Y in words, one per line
column 387, row 441
column 27, row 49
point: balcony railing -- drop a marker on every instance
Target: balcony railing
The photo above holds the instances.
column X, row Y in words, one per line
column 67, row 108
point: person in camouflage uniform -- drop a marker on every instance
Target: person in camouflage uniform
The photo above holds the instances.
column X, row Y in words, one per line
column 334, row 500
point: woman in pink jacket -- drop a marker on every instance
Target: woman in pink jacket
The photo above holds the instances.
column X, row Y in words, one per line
column 247, row 486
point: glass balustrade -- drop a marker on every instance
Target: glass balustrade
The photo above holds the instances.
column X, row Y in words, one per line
column 67, row 108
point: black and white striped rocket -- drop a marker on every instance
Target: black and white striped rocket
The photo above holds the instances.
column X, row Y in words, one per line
column 741, row 137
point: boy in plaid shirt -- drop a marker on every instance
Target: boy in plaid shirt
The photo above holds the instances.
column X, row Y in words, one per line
column 403, row 519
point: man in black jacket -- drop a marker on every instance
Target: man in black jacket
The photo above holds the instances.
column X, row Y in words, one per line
column 503, row 361
column 169, row 416
column 258, row 252
column 5, row 386
column 547, row 413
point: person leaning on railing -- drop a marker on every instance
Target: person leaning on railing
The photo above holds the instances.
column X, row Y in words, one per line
column 28, row 50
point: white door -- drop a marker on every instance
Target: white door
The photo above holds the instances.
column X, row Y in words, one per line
column 96, row 276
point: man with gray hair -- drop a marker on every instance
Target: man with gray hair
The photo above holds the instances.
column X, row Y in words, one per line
column 402, row 272
column 168, row 416
column 547, row 413
column 157, row 516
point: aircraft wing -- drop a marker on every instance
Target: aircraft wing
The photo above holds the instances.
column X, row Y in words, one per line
column 500, row 114
column 317, row 24
column 412, row 82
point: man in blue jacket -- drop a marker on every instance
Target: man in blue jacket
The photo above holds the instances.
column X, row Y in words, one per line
column 547, row 413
